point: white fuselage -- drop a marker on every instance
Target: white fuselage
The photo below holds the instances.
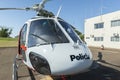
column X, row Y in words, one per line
column 63, row 58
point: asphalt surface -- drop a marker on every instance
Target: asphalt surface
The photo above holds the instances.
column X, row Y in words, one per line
column 108, row 67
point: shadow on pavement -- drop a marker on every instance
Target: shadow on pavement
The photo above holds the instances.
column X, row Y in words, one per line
column 103, row 61
column 101, row 73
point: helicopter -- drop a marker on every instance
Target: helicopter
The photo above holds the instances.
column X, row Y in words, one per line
column 50, row 46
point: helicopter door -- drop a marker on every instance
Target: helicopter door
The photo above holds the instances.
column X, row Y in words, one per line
column 23, row 41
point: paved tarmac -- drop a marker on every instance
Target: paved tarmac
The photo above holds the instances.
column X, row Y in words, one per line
column 109, row 66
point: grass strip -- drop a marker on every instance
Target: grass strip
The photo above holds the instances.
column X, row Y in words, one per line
column 8, row 42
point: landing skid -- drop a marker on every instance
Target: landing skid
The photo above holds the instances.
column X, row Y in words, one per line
column 16, row 64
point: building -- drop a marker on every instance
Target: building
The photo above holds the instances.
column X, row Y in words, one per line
column 103, row 30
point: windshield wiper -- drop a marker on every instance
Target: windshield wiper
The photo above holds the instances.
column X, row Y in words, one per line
column 45, row 43
column 39, row 37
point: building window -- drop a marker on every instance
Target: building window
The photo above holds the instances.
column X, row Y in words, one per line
column 115, row 39
column 115, row 23
column 98, row 38
column 99, row 25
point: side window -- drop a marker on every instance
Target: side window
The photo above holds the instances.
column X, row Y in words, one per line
column 23, row 35
column 23, row 41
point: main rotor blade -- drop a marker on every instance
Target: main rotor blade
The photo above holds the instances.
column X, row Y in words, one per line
column 39, row 8
column 16, row 8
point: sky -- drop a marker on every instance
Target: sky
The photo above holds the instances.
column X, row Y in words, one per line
column 73, row 11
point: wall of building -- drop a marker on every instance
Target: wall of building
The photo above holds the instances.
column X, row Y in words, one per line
column 106, row 32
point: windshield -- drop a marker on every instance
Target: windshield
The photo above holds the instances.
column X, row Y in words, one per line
column 45, row 31
column 69, row 29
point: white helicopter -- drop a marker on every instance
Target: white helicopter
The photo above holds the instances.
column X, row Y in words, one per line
column 50, row 46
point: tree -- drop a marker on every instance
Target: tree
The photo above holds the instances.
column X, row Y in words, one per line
column 82, row 37
column 80, row 34
column 5, row 32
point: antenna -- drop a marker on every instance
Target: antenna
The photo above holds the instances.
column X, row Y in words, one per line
column 101, row 10
column 58, row 11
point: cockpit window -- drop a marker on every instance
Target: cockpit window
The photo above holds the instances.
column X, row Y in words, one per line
column 68, row 28
column 45, row 31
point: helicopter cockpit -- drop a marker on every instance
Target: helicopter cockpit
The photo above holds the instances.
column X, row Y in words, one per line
column 50, row 31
